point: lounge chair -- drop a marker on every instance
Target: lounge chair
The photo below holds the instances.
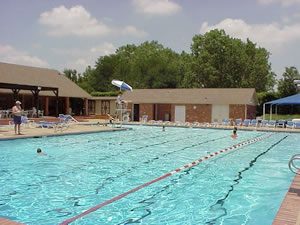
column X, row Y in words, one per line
column 253, row 123
column 225, row 122
column 238, row 122
column 46, row 124
column 26, row 122
column 290, row 124
column 187, row 124
column 271, row 123
column 296, row 125
column 264, row 123
column 281, row 123
column 246, row 122
column 144, row 119
column 55, row 125
column 67, row 118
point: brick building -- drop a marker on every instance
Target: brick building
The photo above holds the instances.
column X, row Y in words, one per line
column 191, row 105
column 44, row 89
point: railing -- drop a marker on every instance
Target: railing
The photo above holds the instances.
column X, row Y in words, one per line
column 294, row 167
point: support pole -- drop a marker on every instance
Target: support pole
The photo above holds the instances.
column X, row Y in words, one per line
column 46, row 106
column 264, row 110
column 15, row 93
column 271, row 110
column 56, row 101
column 35, row 94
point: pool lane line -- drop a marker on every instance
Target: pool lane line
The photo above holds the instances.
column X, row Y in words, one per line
column 187, row 166
column 153, row 159
column 220, row 202
column 150, row 145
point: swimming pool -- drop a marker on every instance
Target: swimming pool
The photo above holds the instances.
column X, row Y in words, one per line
column 243, row 186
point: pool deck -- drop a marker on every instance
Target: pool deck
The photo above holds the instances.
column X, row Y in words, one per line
column 289, row 211
column 4, row 221
column 7, row 132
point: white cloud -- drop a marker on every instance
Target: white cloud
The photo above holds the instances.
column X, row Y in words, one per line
column 79, row 65
column 79, row 59
column 156, row 7
column 74, row 21
column 104, row 49
column 282, row 2
column 133, row 31
column 77, row 21
column 271, row 36
column 10, row 55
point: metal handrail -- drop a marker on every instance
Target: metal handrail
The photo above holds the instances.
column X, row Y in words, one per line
column 293, row 167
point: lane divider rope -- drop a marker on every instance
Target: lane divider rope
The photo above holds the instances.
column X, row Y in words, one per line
column 187, row 166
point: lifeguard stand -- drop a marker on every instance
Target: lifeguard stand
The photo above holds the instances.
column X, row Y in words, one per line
column 122, row 112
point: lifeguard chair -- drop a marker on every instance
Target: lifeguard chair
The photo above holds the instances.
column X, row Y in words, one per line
column 122, row 111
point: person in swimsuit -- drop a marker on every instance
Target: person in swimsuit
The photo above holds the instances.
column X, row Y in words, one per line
column 234, row 133
column 17, row 115
column 40, row 152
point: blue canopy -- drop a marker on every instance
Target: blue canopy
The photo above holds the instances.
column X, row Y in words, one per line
column 290, row 100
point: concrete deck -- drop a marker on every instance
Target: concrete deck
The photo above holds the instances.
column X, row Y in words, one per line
column 7, row 132
column 4, row 221
column 289, row 211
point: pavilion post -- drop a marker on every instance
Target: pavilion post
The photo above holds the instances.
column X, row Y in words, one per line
column 35, row 94
column 57, row 98
column 271, row 110
column 46, row 105
column 15, row 93
column 264, row 110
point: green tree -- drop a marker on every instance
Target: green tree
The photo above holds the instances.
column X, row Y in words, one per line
column 148, row 65
column 286, row 86
column 85, row 81
column 220, row 61
column 71, row 74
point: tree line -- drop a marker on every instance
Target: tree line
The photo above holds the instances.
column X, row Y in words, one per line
column 217, row 60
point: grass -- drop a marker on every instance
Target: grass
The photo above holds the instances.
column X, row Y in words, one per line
column 282, row 117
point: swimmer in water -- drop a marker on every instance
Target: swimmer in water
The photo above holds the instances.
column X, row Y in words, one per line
column 234, row 133
column 40, row 152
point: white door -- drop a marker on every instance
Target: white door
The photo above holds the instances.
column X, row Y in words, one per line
column 219, row 112
column 180, row 113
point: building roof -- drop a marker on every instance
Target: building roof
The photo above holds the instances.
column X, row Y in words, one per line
column 193, row 96
column 290, row 100
column 26, row 75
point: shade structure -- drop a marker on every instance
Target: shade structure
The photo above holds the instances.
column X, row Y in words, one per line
column 122, row 85
column 290, row 100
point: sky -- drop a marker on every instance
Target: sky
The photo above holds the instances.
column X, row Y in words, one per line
column 75, row 33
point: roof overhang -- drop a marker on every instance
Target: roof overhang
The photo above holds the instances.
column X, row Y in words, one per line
column 26, row 87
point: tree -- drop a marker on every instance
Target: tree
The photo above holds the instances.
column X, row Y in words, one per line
column 220, row 61
column 71, row 74
column 286, row 86
column 149, row 65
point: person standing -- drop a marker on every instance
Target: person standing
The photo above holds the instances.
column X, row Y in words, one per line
column 17, row 115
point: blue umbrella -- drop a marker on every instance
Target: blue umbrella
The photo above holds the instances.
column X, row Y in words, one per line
column 122, row 85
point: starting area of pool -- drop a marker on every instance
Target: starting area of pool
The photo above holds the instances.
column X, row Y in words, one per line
column 202, row 176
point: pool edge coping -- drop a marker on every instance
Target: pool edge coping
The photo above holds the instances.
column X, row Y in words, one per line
column 62, row 134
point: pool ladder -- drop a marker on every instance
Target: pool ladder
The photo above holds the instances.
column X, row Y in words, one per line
column 292, row 164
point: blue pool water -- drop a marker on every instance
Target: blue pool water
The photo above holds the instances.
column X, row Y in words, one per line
column 244, row 186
